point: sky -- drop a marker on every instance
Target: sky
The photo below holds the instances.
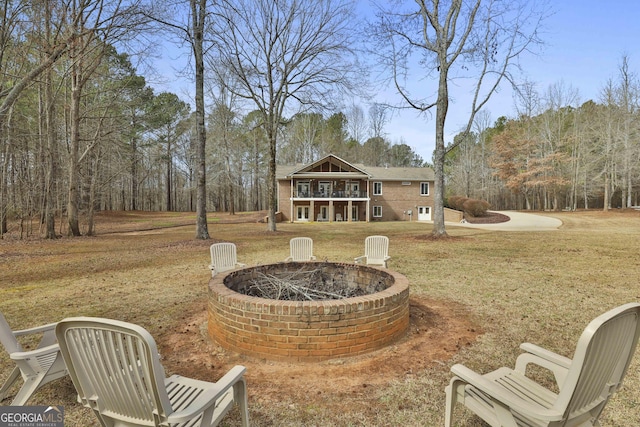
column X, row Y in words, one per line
column 584, row 44
column 584, row 41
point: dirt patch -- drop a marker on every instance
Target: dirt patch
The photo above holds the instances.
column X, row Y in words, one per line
column 437, row 331
column 488, row 218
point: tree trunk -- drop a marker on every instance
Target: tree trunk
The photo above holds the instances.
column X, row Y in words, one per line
column 271, row 180
column 198, row 10
column 72, row 204
column 134, row 174
column 51, row 163
column 168, row 177
column 439, row 153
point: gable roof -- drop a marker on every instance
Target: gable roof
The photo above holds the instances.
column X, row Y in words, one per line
column 332, row 166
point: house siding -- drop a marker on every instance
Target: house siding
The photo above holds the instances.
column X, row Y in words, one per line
column 400, row 191
column 397, row 199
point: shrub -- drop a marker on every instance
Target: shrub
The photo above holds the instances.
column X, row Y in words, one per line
column 470, row 207
column 475, row 207
column 456, row 202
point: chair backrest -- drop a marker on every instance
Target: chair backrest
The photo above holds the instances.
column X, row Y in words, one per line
column 8, row 340
column 117, row 363
column 301, row 248
column 603, row 354
column 223, row 256
column 376, row 248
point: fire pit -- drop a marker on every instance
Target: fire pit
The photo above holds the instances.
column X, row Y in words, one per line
column 329, row 310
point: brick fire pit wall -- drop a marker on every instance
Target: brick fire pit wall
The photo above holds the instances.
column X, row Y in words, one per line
column 308, row 331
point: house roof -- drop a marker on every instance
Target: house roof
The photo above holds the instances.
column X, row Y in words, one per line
column 338, row 168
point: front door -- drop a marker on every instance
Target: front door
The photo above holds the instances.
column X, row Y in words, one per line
column 424, row 213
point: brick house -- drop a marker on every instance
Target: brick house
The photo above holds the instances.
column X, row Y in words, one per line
column 332, row 189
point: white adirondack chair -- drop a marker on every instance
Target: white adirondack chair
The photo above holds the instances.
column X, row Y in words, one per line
column 36, row 367
column 507, row 397
column 116, row 371
column 223, row 258
column 376, row 251
column 301, row 249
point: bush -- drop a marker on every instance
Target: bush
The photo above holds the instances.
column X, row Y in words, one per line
column 475, row 207
column 470, row 207
column 456, row 202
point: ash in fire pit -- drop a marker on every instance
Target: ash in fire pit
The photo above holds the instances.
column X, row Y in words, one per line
column 282, row 311
column 321, row 281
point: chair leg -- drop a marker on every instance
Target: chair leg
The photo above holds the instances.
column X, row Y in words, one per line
column 454, row 390
column 13, row 377
column 240, row 396
column 30, row 386
column 448, row 414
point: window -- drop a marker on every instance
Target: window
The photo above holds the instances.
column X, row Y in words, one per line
column 377, row 211
column 424, row 188
column 303, row 188
column 377, row 188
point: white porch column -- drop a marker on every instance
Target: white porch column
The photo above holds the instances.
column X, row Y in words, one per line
column 312, row 210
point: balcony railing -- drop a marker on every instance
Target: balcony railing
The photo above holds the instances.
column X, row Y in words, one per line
column 331, row 195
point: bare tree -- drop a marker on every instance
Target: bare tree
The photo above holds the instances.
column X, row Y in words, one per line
column 287, row 55
column 356, row 123
column 378, row 118
column 475, row 39
column 190, row 28
column 628, row 95
column 20, row 43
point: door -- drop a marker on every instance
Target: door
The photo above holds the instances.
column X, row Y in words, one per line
column 354, row 213
column 424, row 213
column 324, row 213
column 303, row 213
column 324, row 187
column 354, row 190
column 303, row 189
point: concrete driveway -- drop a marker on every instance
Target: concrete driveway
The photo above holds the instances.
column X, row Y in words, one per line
column 519, row 221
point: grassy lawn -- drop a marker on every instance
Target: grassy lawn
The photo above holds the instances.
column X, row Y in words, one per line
column 540, row 287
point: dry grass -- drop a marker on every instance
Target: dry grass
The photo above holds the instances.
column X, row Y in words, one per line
column 519, row 286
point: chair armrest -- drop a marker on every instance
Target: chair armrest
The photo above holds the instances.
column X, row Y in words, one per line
column 536, row 355
column 545, row 354
column 22, row 355
column 198, row 406
column 501, row 395
column 209, row 397
column 360, row 259
column 35, row 330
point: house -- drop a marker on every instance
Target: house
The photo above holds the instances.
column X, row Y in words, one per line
column 332, row 189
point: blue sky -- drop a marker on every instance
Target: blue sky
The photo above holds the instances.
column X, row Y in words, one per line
column 585, row 41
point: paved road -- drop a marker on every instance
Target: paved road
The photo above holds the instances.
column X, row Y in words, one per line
column 519, row 222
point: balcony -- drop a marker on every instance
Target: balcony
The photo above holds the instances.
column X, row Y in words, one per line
column 340, row 194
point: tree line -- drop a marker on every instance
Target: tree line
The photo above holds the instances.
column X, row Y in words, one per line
column 81, row 130
column 123, row 146
column 558, row 153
